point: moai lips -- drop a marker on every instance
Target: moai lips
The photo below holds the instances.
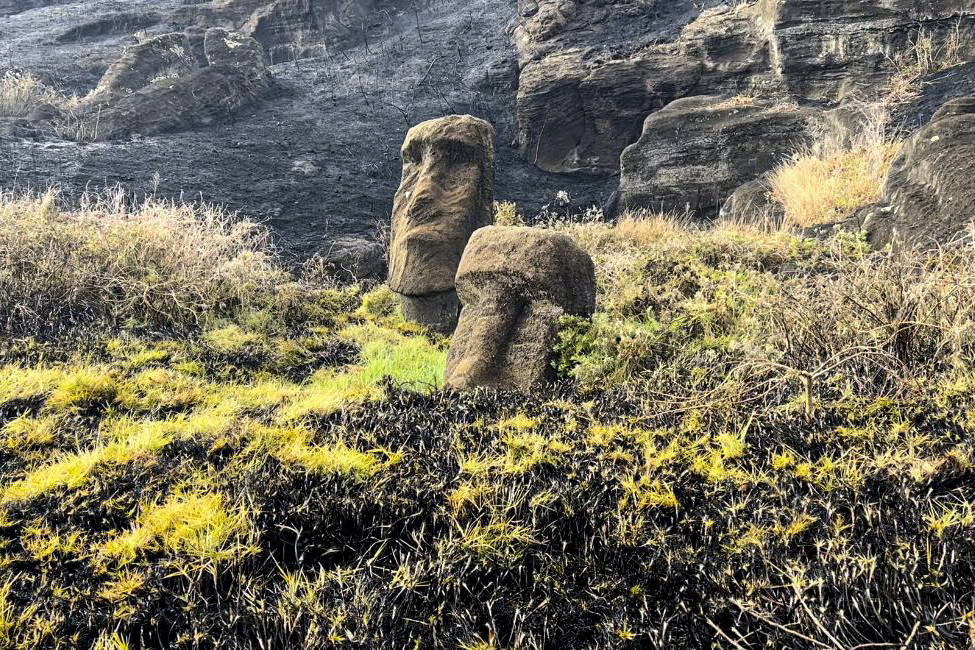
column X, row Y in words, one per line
column 447, row 192
column 515, row 284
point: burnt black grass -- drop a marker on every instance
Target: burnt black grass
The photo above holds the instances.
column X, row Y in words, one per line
column 757, row 442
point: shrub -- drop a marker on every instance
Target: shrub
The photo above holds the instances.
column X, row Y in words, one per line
column 155, row 264
column 506, row 214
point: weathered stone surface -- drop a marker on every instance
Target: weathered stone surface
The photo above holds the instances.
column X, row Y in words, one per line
column 446, row 193
column 163, row 56
column 934, row 91
column 584, row 91
column 698, row 150
column 515, row 284
column 233, row 52
column 579, row 107
column 830, row 49
column 355, row 258
column 753, row 203
column 235, row 77
column 929, row 189
column 928, row 199
column 290, row 29
column 438, row 311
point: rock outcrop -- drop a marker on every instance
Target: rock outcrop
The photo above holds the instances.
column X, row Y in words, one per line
column 591, row 72
column 166, row 56
column 446, row 193
column 293, row 29
column 698, row 150
column 176, row 98
column 928, row 198
column 583, row 92
column 354, row 258
column 753, row 203
column 515, row 284
column 830, row 50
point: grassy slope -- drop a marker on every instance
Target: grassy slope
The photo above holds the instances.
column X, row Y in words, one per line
column 757, row 438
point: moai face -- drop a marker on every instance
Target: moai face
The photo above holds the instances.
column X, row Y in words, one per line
column 515, row 284
column 447, row 193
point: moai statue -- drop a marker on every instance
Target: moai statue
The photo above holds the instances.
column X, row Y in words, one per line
column 515, row 283
column 447, row 193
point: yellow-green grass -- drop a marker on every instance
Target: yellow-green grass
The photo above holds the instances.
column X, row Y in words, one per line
column 250, row 485
column 826, row 187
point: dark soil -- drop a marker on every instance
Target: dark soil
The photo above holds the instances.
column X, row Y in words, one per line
column 319, row 159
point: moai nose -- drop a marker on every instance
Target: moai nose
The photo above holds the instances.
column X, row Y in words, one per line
column 488, row 331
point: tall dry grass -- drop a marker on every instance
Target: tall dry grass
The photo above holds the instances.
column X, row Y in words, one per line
column 734, row 315
column 925, row 55
column 155, row 264
column 842, row 169
column 21, row 93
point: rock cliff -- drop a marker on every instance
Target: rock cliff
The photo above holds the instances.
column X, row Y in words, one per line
column 568, row 85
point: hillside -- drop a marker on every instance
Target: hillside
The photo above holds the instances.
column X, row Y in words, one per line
column 567, row 85
column 757, row 441
column 487, row 325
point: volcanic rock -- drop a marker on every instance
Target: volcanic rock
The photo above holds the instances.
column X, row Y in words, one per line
column 698, row 150
column 446, row 193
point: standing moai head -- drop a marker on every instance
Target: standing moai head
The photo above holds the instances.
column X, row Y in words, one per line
column 515, row 283
column 447, row 193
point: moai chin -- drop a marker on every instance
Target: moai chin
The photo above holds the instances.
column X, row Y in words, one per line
column 447, row 193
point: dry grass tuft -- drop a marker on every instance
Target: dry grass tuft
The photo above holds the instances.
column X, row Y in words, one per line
column 838, row 172
column 925, row 56
column 21, row 93
column 153, row 264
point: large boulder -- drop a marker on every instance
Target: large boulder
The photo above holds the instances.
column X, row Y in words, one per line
column 354, row 258
column 165, row 56
column 515, row 283
column 235, row 76
column 754, row 204
column 698, row 150
column 446, row 193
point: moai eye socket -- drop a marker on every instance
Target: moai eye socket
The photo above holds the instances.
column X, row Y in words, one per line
column 413, row 153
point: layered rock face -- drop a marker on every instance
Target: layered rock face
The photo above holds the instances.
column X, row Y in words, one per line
column 515, row 284
column 698, row 150
column 154, row 87
column 928, row 198
column 584, row 91
column 290, row 29
column 582, row 97
column 447, row 192
column 828, row 50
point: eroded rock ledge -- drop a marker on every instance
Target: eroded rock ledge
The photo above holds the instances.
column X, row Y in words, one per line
column 584, row 90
